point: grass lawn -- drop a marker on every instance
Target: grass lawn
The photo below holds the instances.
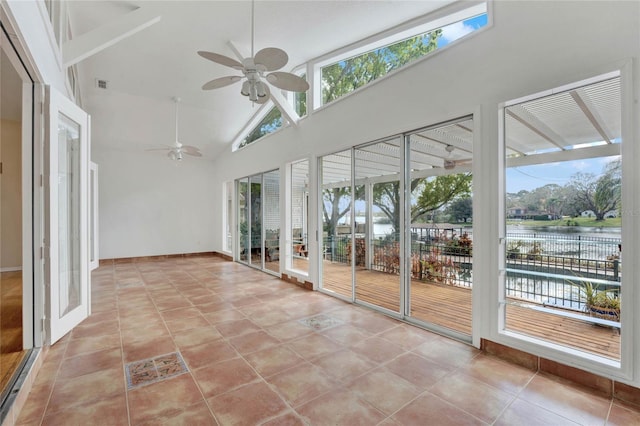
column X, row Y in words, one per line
column 574, row 221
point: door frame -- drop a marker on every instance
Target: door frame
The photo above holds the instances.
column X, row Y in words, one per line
column 29, row 147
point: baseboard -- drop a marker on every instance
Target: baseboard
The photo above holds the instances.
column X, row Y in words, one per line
column 225, row 256
column 155, row 258
column 607, row 387
column 11, row 269
column 307, row 285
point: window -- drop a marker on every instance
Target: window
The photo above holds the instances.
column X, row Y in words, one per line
column 269, row 124
column 352, row 72
column 300, row 100
column 563, row 231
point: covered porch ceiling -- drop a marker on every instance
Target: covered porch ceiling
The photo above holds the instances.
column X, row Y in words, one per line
column 582, row 122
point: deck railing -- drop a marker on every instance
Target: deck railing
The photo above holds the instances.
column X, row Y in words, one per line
column 545, row 268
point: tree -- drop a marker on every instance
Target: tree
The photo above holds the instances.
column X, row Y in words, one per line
column 437, row 192
column 270, row 123
column 334, row 209
column 600, row 195
column 460, row 209
column 345, row 76
column 331, row 210
column 430, row 195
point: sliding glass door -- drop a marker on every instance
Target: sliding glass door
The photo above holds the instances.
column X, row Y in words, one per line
column 377, row 237
column 243, row 220
column 258, row 207
column 255, row 221
column 441, row 230
column 271, row 221
column 397, row 225
column 335, row 205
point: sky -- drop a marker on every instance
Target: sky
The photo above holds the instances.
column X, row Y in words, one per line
column 532, row 177
column 460, row 29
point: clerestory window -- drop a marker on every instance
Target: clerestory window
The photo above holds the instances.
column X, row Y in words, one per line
column 352, row 72
column 269, row 124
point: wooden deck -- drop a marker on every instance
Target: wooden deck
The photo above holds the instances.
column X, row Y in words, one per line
column 450, row 307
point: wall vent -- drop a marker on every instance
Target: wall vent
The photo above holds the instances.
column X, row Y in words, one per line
column 101, row 84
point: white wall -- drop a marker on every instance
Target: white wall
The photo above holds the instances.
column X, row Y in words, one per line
column 148, row 204
column 11, row 196
column 532, row 46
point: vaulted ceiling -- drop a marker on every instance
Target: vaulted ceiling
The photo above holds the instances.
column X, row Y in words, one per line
column 160, row 61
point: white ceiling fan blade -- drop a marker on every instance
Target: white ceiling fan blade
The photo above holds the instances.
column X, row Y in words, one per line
column 263, row 99
column 221, row 59
column 193, row 153
column 271, row 58
column 288, row 81
column 191, row 150
column 221, row 82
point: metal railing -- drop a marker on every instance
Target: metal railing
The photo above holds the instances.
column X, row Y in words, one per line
column 543, row 268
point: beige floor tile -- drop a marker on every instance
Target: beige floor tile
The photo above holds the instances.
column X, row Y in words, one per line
column 253, row 361
column 224, row 376
column 473, row 396
column 384, row 390
column 340, row 408
column 163, row 399
column 248, row 405
column 567, row 400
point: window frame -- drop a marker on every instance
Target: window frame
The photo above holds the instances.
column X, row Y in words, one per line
column 627, row 367
column 440, row 18
column 254, row 123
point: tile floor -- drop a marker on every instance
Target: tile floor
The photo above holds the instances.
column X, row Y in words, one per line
column 202, row 341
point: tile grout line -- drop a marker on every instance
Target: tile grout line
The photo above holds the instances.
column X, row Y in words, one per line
column 126, row 392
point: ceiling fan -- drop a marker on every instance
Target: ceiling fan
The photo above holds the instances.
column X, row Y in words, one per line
column 450, row 163
column 176, row 151
column 254, row 69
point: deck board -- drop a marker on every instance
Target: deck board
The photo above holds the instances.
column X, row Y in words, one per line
column 450, row 307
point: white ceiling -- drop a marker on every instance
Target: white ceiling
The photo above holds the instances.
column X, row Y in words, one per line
column 160, row 62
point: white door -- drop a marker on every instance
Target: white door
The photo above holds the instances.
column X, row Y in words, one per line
column 68, row 295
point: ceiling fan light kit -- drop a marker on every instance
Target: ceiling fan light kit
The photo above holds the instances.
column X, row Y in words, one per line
column 254, row 69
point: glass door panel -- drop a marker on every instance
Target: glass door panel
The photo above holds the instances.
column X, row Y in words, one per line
column 335, row 192
column 376, row 244
column 255, row 220
column 441, row 230
column 228, row 219
column 67, row 204
column 271, row 195
column 243, row 220
column 69, row 257
column 299, row 203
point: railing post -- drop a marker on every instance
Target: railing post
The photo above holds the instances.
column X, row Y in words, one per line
column 579, row 247
column 616, row 269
